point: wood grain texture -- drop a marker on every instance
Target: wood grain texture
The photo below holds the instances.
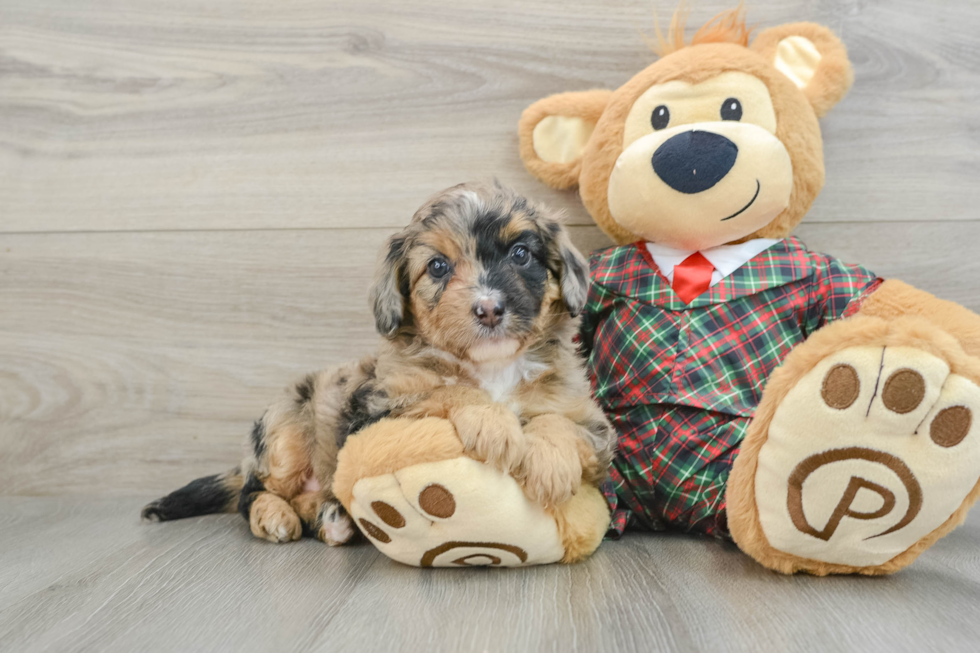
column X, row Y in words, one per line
column 207, row 584
column 137, row 361
column 192, row 196
column 249, row 114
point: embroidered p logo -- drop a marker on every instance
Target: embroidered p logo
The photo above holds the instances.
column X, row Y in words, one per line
column 871, row 452
column 794, row 499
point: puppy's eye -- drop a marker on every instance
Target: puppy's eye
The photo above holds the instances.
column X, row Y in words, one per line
column 520, row 255
column 731, row 109
column 438, row 268
column 660, row 117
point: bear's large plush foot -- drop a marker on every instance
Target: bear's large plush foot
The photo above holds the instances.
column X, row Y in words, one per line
column 864, row 453
column 411, row 490
column 457, row 512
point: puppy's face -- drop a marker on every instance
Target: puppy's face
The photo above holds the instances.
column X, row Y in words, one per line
column 479, row 273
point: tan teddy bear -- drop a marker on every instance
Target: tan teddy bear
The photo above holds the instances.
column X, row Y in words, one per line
column 817, row 415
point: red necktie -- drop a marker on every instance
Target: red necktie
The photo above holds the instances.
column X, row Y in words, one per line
column 692, row 277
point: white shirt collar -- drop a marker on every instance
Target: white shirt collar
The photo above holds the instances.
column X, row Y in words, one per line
column 725, row 258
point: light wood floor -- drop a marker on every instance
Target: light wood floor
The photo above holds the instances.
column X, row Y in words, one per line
column 192, row 195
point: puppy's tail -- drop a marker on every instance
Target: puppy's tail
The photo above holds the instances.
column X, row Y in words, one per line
column 210, row 494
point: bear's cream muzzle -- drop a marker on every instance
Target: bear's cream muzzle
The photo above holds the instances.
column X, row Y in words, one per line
column 701, row 185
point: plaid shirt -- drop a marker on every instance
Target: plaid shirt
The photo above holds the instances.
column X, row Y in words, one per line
column 681, row 381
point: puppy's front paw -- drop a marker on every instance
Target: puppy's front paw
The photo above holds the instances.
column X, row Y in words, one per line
column 492, row 433
column 551, row 470
column 273, row 519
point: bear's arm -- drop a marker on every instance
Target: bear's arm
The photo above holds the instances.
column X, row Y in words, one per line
column 841, row 290
column 837, row 290
column 896, row 299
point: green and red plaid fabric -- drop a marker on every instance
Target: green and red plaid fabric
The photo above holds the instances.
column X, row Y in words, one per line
column 680, row 382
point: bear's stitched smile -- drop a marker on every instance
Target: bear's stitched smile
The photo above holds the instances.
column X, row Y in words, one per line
column 758, row 187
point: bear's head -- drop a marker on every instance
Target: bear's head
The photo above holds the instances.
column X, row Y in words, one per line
column 717, row 142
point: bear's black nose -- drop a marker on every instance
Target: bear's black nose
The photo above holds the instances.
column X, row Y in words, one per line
column 694, row 161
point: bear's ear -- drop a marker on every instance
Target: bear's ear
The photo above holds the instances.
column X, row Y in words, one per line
column 553, row 134
column 813, row 59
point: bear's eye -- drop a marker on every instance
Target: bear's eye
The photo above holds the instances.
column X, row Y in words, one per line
column 660, row 117
column 731, row 109
column 520, row 255
column 438, row 267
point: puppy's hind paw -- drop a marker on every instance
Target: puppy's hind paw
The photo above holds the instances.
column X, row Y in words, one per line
column 336, row 526
column 273, row 519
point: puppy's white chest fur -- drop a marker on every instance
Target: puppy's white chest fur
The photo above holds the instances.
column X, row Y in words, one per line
column 500, row 380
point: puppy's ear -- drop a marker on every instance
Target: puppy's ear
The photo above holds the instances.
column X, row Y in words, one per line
column 574, row 274
column 388, row 294
column 569, row 265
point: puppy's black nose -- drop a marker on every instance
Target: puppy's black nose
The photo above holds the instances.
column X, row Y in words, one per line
column 694, row 161
column 488, row 311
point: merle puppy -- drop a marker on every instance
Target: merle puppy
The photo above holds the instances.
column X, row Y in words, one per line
column 477, row 300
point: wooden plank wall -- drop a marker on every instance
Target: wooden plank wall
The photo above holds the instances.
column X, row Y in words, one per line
column 192, row 194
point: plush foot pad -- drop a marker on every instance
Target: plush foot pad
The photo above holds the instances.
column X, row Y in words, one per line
column 454, row 513
column 872, row 451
